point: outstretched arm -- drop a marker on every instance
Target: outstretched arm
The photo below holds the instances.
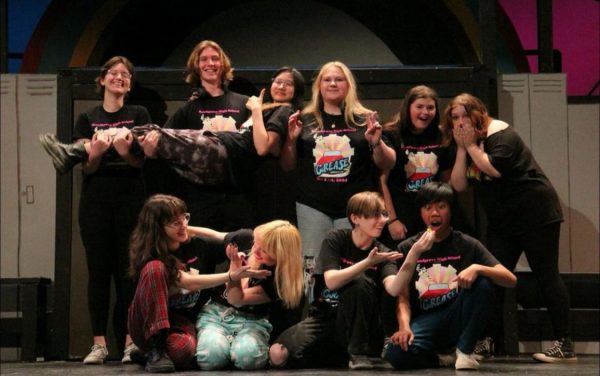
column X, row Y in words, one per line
column 396, row 228
column 206, row 232
column 337, row 278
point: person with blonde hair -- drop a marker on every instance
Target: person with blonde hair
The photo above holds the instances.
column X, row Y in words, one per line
column 335, row 146
column 172, row 267
column 523, row 210
column 351, row 271
column 233, row 327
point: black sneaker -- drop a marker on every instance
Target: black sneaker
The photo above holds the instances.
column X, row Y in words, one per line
column 359, row 362
column 158, row 362
column 560, row 352
column 64, row 156
column 484, row 349
column 138, row 357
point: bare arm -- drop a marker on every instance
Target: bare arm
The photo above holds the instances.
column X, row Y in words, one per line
column 289, row 154
column 265, row 142
column 498, row 274
column 477, row 154
column 122, row 142
column 396, row 228
column 335, row 279
column 99, row 144
column 458, row 177
column 384, row 156
column 206, row 232
column 395, row 284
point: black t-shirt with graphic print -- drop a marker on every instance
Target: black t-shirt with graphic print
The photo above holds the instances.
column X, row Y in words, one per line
column 431, row 285
column 98, row 119
column 333, row 164
column 338, row 251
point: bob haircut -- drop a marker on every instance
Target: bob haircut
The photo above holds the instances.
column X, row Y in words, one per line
column 366, row 204
column 433, row 192
column 108, row 65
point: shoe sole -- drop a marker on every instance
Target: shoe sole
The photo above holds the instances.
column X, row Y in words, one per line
column 46, row 145
column 548, row 359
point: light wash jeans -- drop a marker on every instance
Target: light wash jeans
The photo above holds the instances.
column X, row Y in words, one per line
column 227, row 335
column 313, row 226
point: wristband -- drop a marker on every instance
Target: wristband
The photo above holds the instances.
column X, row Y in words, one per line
column 375, row 145
column 389, row 222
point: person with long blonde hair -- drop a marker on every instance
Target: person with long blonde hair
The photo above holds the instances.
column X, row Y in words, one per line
column 351, row 271
column 233, row 327
column 335, row 146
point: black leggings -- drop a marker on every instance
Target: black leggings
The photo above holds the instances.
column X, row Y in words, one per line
column 541, row 249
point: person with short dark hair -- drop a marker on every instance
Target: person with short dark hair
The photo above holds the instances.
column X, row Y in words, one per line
column 446, row 289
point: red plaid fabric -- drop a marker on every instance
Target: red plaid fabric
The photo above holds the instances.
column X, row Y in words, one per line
column 149, row 313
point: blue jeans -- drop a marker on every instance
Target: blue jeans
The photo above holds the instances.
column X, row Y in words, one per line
column 227, row 335
column 458, row 324
column 313, row 226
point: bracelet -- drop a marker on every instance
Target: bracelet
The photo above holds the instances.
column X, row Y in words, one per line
column 390, row 221
column 373, row 146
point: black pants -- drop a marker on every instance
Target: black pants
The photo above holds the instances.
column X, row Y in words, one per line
column 541, row 249
column 108, row 210
column 329, row 335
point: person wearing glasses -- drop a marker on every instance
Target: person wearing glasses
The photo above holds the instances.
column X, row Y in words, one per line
column 174, row 271
column 351, row 269
column 216, row 158
column 111, row 197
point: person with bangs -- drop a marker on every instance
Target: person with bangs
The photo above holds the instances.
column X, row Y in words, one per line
column 445, row 290
column 351, row 270
column 112, row 194
column 523, row 211
column 233, row 327
column 172, row 268
column 335, row 147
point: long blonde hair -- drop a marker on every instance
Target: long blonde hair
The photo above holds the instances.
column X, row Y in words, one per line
column 281, row 241
column 351, row 106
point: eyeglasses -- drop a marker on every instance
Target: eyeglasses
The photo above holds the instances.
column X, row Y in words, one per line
column 180, row 222
column 287, row 83
column 116, row 73
column 384, row 213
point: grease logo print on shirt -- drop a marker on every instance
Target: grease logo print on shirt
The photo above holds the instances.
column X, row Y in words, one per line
column 420, row 169
column 332, row 157
column 435, row 285
column 218, row 123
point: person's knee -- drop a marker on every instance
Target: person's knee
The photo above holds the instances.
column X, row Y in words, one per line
column 181, row 348
column 278, row 355
column 212, row 355
column 249, row 357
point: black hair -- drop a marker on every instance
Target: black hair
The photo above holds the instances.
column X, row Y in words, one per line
column 435, row 192
column 298, row 99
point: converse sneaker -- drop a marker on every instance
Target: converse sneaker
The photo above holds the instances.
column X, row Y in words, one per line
column 484, row 349
column 560, row 352
column 446, row 360
column 127, row 353
column 97, row 355
column 359, row 362
column 465, row 361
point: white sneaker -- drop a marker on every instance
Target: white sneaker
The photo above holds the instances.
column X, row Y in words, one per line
column 97, row 355
column 127, row 353
column 446, row 360
column 465, row 361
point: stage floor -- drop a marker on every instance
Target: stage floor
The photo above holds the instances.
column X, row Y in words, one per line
column 588, row 365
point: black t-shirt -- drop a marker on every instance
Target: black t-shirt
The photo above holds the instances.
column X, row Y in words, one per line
column 522, row 198
column 241, row 151
column 200, row 256
column 244, row 239
column 431, row 285
column 420, row 159
column 338, row 251
column 226, row 112
column 333, row 164
column 98, row 119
